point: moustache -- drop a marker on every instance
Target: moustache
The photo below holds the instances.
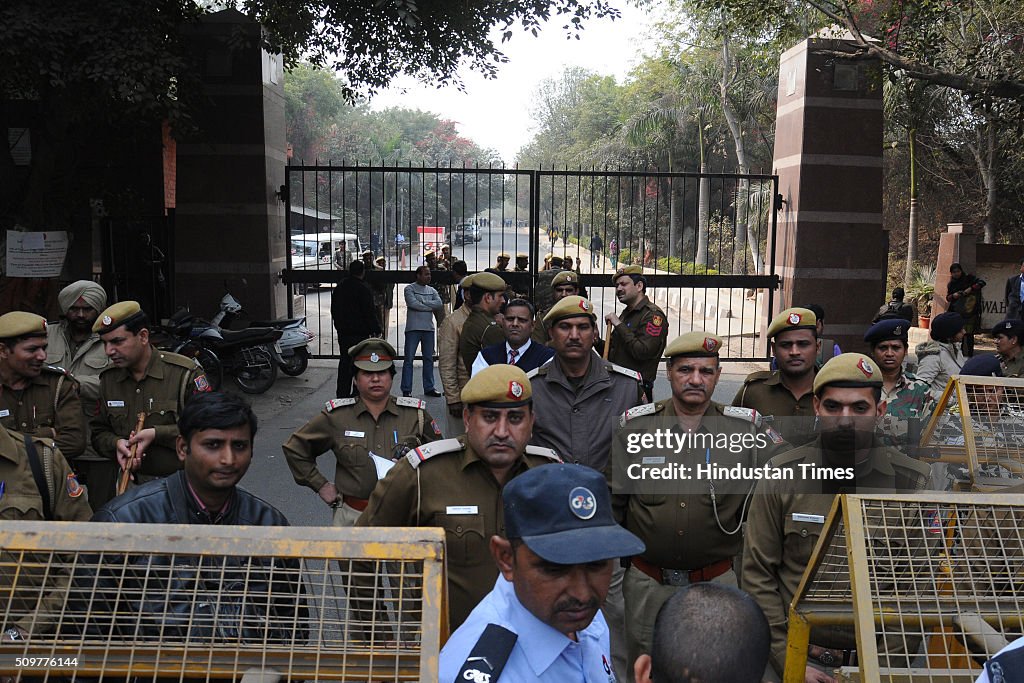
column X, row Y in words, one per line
column 576, row 605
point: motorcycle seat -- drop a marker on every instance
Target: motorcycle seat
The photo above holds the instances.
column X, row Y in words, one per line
column 284, row 322
column 253, row 335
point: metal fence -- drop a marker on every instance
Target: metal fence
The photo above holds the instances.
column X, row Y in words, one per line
column 704, row 240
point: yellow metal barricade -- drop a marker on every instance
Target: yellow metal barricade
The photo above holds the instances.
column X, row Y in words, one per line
column 979, row 424
column 932, row 584
column 198, row 602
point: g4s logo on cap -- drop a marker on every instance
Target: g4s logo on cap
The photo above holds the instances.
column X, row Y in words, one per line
column 582, row 502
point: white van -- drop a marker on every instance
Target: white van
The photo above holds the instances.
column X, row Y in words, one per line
column 320, row 251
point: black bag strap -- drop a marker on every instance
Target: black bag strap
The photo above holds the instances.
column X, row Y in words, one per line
column 37, row 474
column 488, row 657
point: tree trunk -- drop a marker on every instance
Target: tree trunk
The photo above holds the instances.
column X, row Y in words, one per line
column 703, row 213
column 673, row 218
column 912, row 227
column 991, row 195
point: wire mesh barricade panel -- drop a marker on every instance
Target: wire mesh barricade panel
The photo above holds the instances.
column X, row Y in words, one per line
column 207, row 602
column 978, row 428
column 931, row 583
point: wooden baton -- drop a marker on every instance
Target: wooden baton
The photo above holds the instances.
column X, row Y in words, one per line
column 126, row 473
column 607, row 339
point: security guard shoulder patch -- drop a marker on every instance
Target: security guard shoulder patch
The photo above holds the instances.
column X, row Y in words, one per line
column 489, row 655
column 637, row 411
column 421, row 454
column 338, row 403
column 544, row 452
column 757, row 376
column 410, row 402
column 625, row 371
column 1007, row 667
column 537, row 372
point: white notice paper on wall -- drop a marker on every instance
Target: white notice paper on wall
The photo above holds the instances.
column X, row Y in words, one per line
column 36, row 254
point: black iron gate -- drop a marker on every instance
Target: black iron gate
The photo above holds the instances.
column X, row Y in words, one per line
column 705, row 240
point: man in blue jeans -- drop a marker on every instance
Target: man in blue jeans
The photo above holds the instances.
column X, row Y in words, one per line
column 421, row 300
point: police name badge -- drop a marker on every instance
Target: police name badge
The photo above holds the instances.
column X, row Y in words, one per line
column 461, row 510
column 813, row 519
column 352, row 432
column 115, row 404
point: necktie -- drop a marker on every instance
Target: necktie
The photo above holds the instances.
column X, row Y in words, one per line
column 512, row 353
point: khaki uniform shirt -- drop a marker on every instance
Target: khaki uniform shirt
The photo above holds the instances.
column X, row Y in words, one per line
column 479, row 330
column 85, row 363
column 451, row 488
column 680, row 531
column 778, row 546
column 48, row 407
column 347, row 427
column 21, row 500
column 1013, row 367
column 764, row 392
column 169, row 380
column 640, row 339
column 579, row 425
column 454, row 373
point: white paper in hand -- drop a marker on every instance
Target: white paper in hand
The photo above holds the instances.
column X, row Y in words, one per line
column 382, row 464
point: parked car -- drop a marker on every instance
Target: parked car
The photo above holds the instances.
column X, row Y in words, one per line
column 323, row 251
column 466, row 233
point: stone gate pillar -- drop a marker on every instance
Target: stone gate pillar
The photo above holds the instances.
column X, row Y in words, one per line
column 830, row 247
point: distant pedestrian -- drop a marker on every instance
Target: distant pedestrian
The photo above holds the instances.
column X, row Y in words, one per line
column 896, row 308
column 613, row 252
column 963, row 292
column 421, row 302
column 355, row 319
column 596, row 245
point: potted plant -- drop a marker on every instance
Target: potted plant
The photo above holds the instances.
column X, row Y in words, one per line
column 921, row 289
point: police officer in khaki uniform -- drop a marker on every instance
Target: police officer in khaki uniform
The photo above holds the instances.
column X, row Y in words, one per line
column 141, row 379
column 456, row 484
column 787, row 392
column 788, row 515
column 522, row 262
column 1009, row 335
column 374, row 423
column 72, row 345
column 544, row 298
column 37, row 398
column 566, row 283
column 690, row 536
column 503, row 260
column 27, row 493
column 638, row 336
column 480, row 329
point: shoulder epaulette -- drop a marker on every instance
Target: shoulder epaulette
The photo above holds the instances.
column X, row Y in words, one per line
column 410, row 402
column 338, row 403
column 544, row 452
column 637, row 411
column 423, row 453
column 745, row 414
column 625, row 371
column 542, row 370
column 758, row 375
column 179, row 360
column 57, row 369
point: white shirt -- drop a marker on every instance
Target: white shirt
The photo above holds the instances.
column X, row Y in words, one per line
column 479, row 363
column 1017, row 644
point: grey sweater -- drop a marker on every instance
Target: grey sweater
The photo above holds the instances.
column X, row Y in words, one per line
column 422, row 301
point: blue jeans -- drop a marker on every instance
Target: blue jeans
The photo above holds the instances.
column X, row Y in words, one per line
column 414, row 338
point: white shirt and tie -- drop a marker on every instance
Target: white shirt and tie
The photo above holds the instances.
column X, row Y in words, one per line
column 512, row 354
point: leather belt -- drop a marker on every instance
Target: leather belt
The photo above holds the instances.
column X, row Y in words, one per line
column 355, row 503
column 682, row 577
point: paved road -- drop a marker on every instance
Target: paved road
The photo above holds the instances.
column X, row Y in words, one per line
column 293, row 400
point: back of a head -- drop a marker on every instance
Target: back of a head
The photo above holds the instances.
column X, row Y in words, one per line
column 898, row 294
column 356, row 268
column 710, row 633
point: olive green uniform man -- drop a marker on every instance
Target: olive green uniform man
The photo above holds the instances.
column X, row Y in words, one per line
column 59, row 497
column 374, row 423
column 72, row 345
column 787, row 516
column 480, row 328
column 37, row 399
column 639, row 335
column 456, row 484
column 690, row 535
column 502, row 263
column 141, row 379
column 787, row 392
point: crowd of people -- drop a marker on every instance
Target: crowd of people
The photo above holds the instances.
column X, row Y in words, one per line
column 560, row 566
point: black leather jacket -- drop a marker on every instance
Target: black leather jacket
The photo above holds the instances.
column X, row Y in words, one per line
column 188, row 597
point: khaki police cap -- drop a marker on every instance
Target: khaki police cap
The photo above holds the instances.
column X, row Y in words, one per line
column 556, row 261
column 22, row 324
column 373, row 355
column 381, row 259
column 627, row 270
column 521, row 255
column 467, row 282
column 498, row 386
column 792, row 319
column 696, row 344
column 367, row 253
column 848, row 370
column 570, row 307
column 566, row 277
column 119, row 314
column 428, row 253
column 489, row 282
column 504, row 255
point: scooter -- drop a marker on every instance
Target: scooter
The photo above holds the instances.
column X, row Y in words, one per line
column 295, row 336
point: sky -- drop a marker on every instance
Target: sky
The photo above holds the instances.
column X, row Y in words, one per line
column 496, row 113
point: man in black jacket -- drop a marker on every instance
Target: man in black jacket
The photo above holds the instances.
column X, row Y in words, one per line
column 1014, row 294
column 167, row 595
column 354, row 320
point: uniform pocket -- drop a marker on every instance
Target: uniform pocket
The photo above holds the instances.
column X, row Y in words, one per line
column 467, row 538
column 800, row 537
column 21, row 507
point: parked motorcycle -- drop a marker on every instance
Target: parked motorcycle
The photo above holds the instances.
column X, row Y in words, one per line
column 295, row 336
column 175, row 337
column 250, row 356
